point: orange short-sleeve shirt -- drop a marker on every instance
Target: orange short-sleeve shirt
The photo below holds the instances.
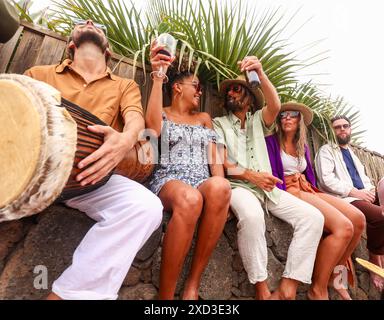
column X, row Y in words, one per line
column 109, row 97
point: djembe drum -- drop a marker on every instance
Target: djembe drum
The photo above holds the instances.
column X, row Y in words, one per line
column 42, row 139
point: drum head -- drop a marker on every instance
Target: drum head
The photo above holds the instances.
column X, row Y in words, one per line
column 20, row 140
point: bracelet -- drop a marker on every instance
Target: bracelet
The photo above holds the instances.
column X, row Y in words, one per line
column 159, row 75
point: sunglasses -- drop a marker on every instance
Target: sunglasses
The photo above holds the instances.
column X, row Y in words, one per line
column 79, row 22
column 197, row 85
column 234, row 88
column 344, row 126
column 291, row 114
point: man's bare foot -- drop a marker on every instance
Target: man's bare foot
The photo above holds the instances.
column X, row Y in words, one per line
column 262, row 291
column 279, row 295
column 53, row 296
column 286, row 291
column 275, row 296
column 262, row 296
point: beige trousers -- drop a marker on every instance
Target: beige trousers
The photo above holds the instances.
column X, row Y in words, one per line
column 306, row 220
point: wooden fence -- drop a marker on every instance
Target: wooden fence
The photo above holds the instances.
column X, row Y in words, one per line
column 33, row 45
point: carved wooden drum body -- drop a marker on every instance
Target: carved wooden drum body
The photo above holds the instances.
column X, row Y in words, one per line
column 42, row 139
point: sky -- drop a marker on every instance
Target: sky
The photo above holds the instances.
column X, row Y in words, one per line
column 352, row 33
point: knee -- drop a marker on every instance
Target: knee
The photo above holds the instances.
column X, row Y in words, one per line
column 188, row 205
column 219, row 188
column 251, row 218
column 359, row 222
column 345, row 231
column 189, row 199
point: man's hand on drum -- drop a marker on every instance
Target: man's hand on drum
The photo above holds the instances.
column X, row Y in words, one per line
column 116, row 145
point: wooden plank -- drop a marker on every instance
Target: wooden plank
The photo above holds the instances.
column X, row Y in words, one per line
column 316, row 141
column 7, row 49
column 27, row 52
column 51, row 51
column 139, row 78
column 147, row 91
column 129, row 61
column 378, row 164
column 212, row 102
column 113, row 65
column 125, row 70
column 43, row 31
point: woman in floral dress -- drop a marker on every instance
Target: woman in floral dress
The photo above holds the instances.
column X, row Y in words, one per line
column 189, row 178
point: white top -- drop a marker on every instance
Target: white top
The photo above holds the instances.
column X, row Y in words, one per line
column 333, row 175
column 292, row 164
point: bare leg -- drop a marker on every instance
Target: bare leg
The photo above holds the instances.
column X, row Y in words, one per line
column 331, row 248
column 354, row 215
column 342, row 291
column 186, row 204
column 358, row 220
column 286, row 291
column 262, row 291
column 53, row 296
column 216, row 192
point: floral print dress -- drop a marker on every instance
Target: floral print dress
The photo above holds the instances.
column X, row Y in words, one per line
column 183, row 155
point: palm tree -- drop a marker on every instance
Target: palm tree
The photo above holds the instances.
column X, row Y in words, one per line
column 44, row 17
column 215, row 36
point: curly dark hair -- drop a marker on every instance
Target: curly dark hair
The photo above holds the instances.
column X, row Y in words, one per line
column 176, row 73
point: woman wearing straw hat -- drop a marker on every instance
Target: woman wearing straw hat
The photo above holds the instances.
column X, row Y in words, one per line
column 290, row 161
column 9, row 21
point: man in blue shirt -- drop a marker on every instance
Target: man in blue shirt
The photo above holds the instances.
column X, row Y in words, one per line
column 341, row 173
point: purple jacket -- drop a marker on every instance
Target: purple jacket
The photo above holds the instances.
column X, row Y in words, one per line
column 273, row 147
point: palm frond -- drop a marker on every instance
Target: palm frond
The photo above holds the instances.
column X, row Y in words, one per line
column 324, row 109
column 217, row 34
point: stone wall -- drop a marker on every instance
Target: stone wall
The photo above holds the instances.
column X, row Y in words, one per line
column 50, row 238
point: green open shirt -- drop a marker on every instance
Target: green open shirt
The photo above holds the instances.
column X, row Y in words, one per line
column 247, row 148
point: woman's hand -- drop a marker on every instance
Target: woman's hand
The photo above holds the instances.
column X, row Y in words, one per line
column 159, row 60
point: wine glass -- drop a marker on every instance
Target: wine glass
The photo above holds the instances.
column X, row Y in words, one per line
column 169, row 43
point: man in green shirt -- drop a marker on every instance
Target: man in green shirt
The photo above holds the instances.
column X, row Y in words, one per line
column 242, row 131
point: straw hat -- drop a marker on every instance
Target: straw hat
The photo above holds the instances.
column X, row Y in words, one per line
column 306, row 112
column 9, row 21
column 242, row 80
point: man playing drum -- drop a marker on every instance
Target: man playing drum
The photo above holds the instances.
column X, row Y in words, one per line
column 126, row 213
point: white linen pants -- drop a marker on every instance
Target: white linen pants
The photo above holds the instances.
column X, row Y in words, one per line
column 306, row 220
column 126, row 214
